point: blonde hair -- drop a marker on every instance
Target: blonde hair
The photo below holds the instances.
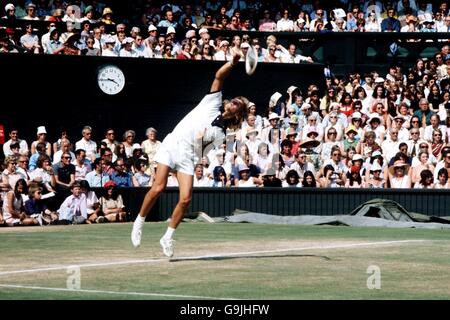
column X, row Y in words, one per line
column 33, row 188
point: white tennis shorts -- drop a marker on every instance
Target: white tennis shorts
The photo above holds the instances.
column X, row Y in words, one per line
column 176, row 154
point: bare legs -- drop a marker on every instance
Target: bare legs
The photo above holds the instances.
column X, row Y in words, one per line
column 185, row 182
column 157, row 188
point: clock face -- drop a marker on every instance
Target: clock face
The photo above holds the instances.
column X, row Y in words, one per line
column 111, row 79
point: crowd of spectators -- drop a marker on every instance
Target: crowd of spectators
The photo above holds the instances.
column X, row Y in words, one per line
column 369, row 130
column 180, row 29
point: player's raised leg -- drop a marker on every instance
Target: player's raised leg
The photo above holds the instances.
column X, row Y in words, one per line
column 152, row 195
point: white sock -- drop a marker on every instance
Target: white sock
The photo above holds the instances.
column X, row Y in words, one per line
column 169, row 233
column 139, row 220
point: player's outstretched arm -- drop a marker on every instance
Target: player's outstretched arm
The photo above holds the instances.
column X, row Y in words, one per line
column 223, row 72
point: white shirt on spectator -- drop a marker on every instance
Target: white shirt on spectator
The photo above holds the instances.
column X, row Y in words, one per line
column 89, row 146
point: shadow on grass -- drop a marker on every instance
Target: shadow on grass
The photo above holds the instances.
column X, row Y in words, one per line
column 251, row 257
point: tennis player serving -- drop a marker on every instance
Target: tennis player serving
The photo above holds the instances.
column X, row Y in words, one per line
column 182, row 148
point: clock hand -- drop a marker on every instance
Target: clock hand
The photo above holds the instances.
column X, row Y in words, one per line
column 112, row 80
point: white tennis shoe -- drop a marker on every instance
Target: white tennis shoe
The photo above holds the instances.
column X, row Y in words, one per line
column 136, row 234
column 167, row 246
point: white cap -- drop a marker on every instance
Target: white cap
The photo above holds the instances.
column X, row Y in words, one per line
column 375, row 166
column 190, row 34
column 357, row 156
column 110, row 39
column 312, row 130
column 152, row 28
column 202, row 30
column 41, row 129
column 170, row 30
column 245, row 45
column 136, row 146
column 275, row 97
column 127, row 40
column 339, row 13
column 305, row 106
column 379, row 80
column 223, row 42
column 273, row 115
column 356, row 115
column 9, row 6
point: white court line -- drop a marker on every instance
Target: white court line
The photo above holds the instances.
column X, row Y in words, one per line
column 204, row 257
column 122, row 293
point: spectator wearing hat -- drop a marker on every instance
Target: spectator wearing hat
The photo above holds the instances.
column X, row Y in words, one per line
column 10, row 12
column 270, row 128
column 152, row 35
column 107, row 16
column 270, row 180
column 245, row 179
column 223, row 53
column 89, row 15
column 31, row 12
column 375, row 178
column 109, row 51
column 313, row 126
column 374, row 124
column 351, row 137
column 41, row 137
column 398, row 175
column 312, row 149
column 127, row 48
column 252, row 141
column 428, row 24
column 355, row 180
